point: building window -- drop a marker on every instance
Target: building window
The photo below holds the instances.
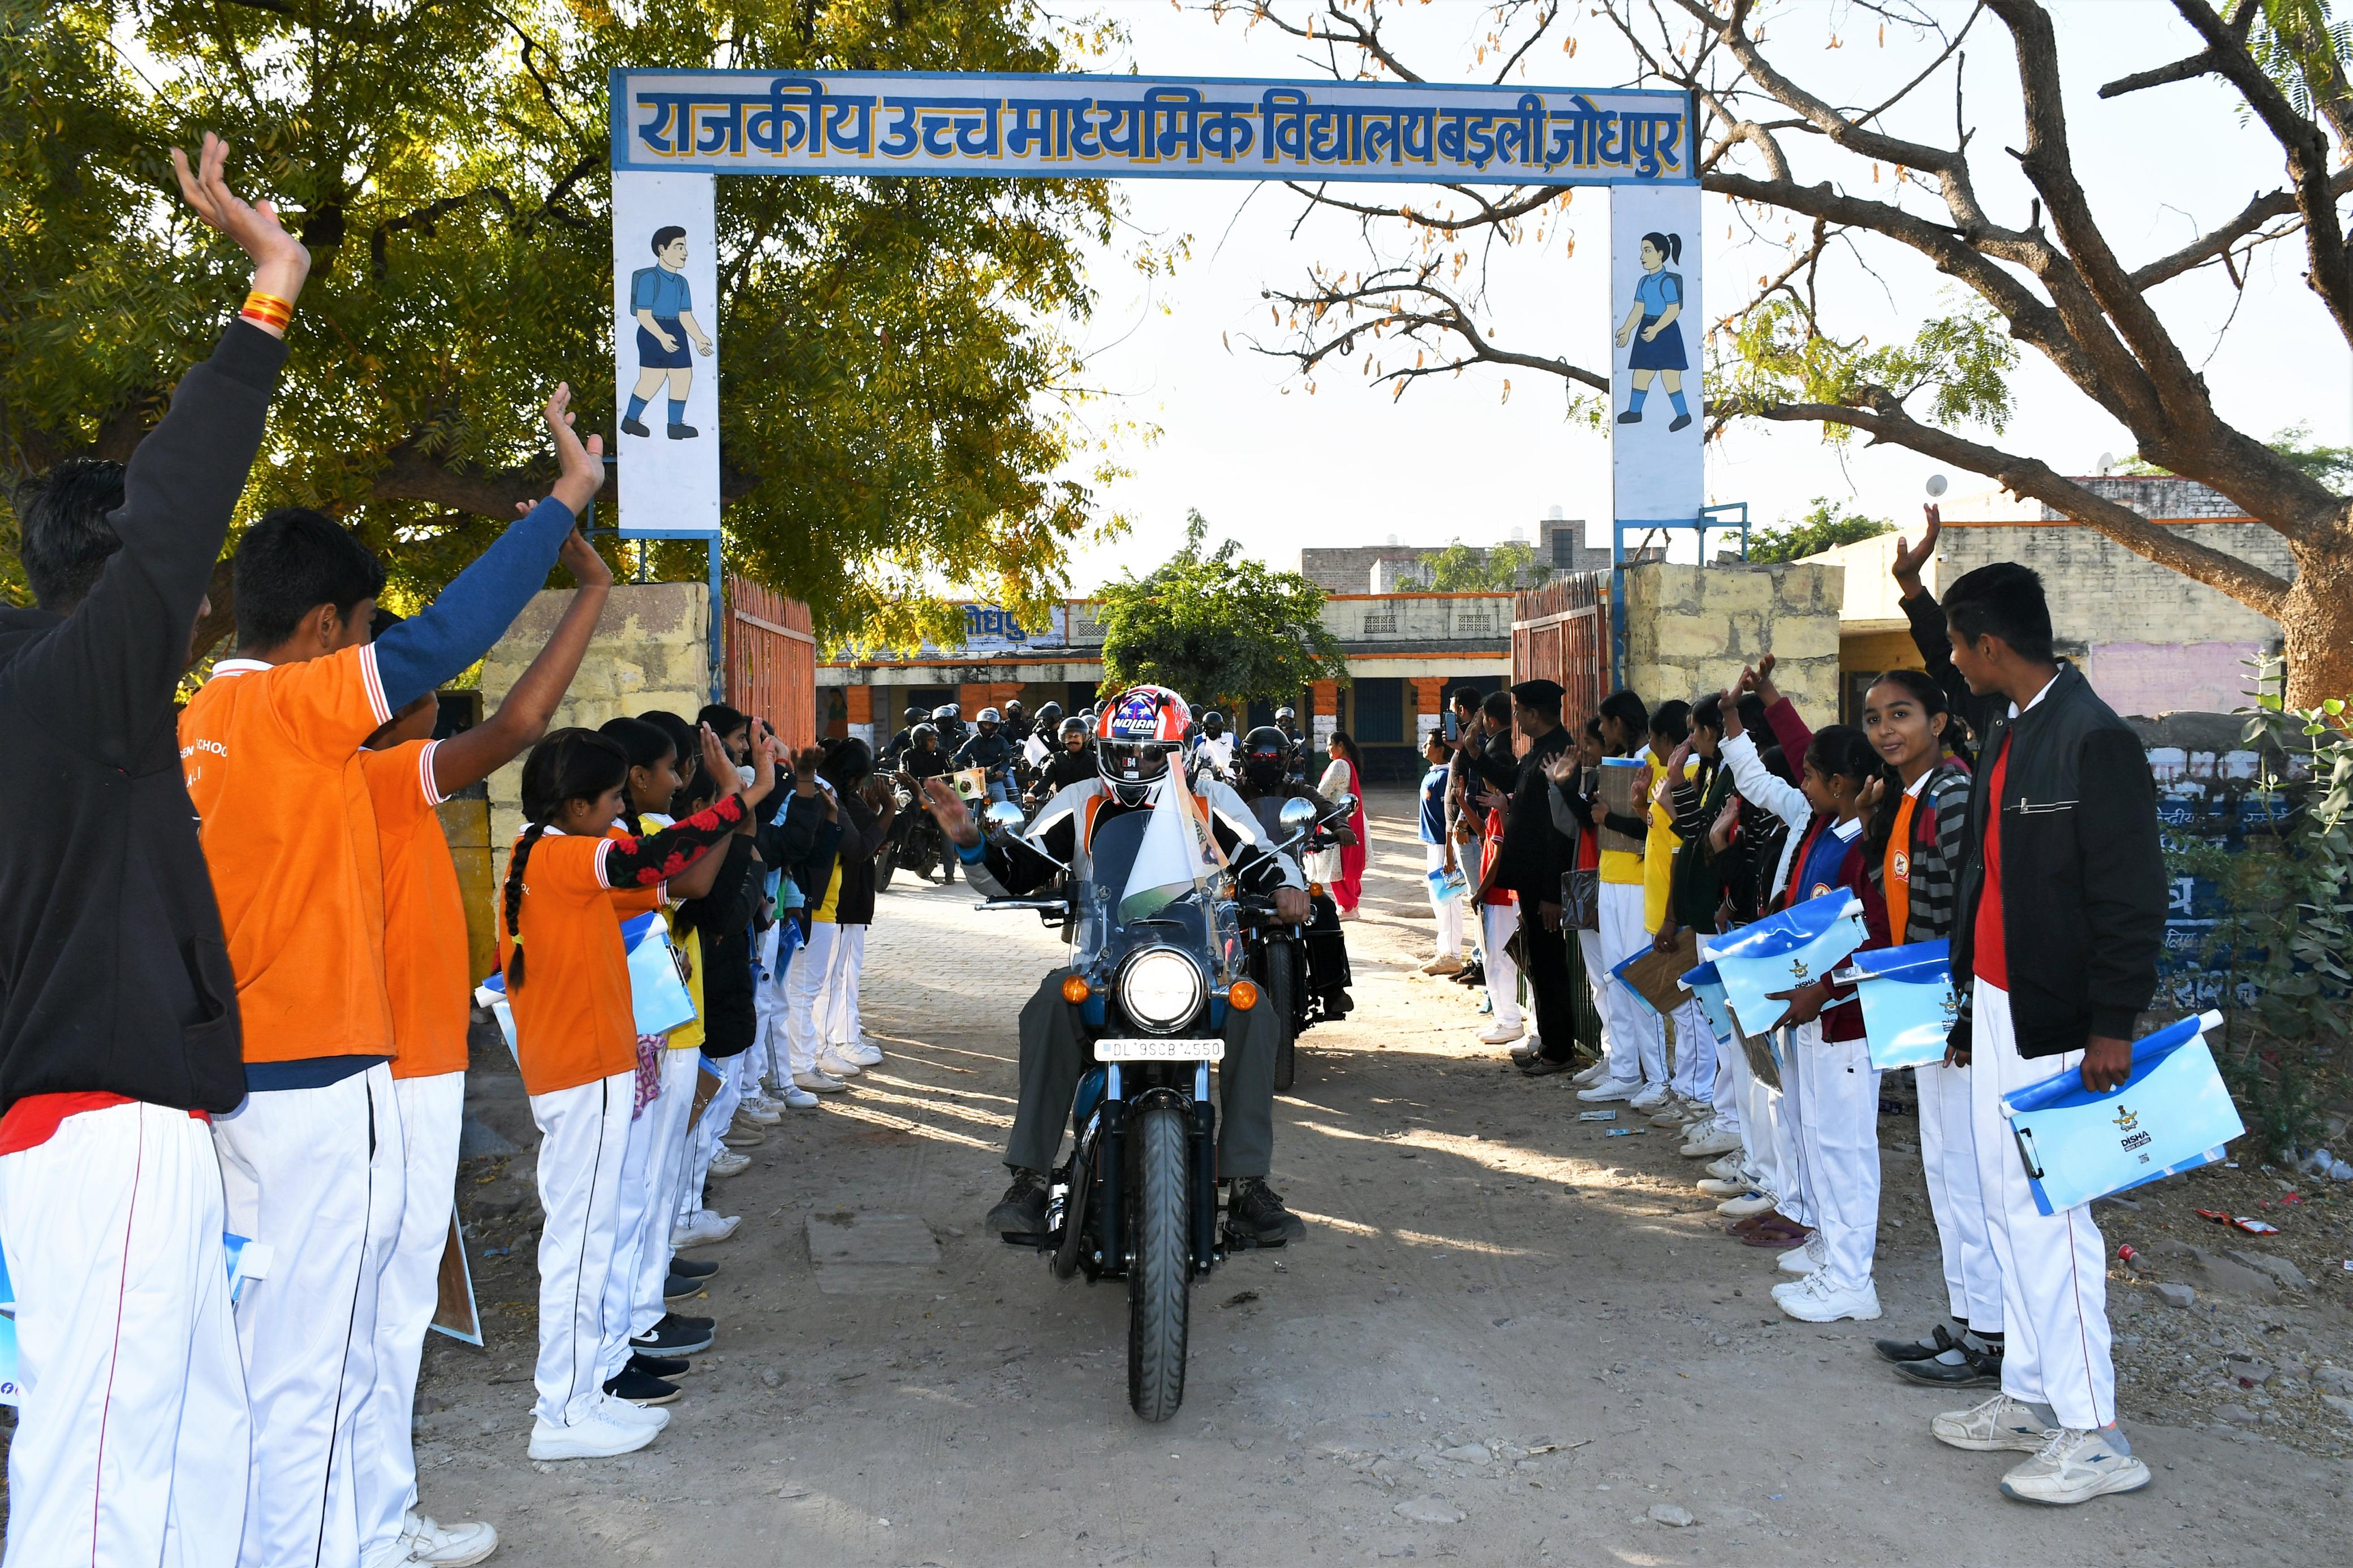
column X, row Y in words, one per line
column 1473, row 623
column 1379, row 711
column 1380, row 623
column 1564, row 548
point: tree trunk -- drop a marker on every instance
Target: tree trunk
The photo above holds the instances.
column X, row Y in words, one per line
column 2318, row 619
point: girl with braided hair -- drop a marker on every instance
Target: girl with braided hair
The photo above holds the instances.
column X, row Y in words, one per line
column 568, row 977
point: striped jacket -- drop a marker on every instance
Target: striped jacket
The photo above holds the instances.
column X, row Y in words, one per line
column 1935, row 854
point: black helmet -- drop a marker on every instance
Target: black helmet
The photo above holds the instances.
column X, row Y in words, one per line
column 915, row 716
column 921, row 733
column 1266, row 756
column 1073, row 725
column 1213, row 721
column 1050, row 713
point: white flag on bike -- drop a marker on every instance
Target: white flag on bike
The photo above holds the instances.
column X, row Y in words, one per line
column 1178, row 855
column 1033, row 750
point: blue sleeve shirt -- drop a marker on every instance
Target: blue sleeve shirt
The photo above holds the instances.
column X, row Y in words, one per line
column 1433, row 805
column 1657, row 290
column 662, row 291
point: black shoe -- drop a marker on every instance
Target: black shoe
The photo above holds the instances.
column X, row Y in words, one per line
column 1631, row 417
column 1939, row 1341
column 1544, row 1067
column 1678, row 422
column 1526, row 1051
column 641, row 1388
column 675, row 1335
column 677, row 1287
column 661, row 1365
column 1022, row 1210
column 682, row 432
column 1973, row 1367
column 1471, row 974
column 692, row 1267
column 634, row 427
column 1255, row 1210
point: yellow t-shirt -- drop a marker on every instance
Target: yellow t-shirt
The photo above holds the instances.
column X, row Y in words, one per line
column 1623, row 865
column 688, row 1036
column 832, row 896
column 1658, row 851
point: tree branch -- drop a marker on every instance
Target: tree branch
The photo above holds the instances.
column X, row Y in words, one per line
column 2216, row 242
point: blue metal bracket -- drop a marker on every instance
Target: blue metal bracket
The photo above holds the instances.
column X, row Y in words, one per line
column 1725, row 516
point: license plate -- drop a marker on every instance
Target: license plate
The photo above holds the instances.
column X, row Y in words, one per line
column 1160, row 1050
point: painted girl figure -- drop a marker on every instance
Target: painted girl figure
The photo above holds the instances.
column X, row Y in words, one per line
column 1650, row 327
column 664, row 307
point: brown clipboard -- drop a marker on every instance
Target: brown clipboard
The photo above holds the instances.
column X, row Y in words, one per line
column 455, row 1313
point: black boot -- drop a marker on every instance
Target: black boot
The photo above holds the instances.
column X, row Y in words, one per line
column 1256, row 1211
column 682, row 432
column 634, row 427
column 1022, row 1210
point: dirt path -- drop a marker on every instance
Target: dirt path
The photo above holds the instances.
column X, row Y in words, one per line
column 1501, row 1319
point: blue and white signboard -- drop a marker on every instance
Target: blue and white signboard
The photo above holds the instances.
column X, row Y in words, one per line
column 2173, row 1113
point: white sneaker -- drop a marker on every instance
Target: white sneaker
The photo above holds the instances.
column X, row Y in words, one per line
column 815, row 1082
column 1591, row 1075
column 1501, row 1034
column 1610, row 1088
column 1754, row 1201
column 865, row 1053
column 704, row 1229
column 1728, row 1167
column 1727, row 1187
column 1715, row 1139
column 622, row 1412
column 1790, row 1287
column 1648, row 1098
column 831, row 1064
column 2075, row 1467
column 2000, row 1423
column 593, row 1438
column 760, row 1109
column 796, row 1098
column 1816, row 1300
column 1806, row 1258
column 444, row 1545
column 728, row 1162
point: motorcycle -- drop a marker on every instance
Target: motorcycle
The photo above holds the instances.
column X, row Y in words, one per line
column 895, row 843
column 1280, row 957
column 919, row 846
column 1137, row 1200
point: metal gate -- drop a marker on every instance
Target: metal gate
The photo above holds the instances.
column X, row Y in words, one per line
column 772, row 659
column 1561, row 632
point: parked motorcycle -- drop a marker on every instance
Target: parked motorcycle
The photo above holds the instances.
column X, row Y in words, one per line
column 1138, row 1201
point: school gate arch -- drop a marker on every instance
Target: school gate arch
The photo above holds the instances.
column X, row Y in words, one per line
column 675, row 132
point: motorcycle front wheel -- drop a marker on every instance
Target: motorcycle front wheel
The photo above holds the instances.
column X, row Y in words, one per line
column 1281, row 985
column 886, row 862
column 1160, row 1265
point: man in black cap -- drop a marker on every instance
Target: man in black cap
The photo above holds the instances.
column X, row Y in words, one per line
column 1531, row 861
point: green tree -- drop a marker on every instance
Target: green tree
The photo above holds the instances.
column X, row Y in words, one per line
column 1215, row 627
column 898, row 363
column 1827, row 524
column 1460, row 568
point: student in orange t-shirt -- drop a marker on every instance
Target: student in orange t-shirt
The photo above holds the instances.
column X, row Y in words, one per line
column 409, row 775
column 568, row 977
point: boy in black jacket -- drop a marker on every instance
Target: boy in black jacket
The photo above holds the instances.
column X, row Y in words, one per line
column 2054, row 953
column 118, row 1012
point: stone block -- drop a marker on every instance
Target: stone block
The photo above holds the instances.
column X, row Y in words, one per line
column 1735, row 588
column 1689, row 635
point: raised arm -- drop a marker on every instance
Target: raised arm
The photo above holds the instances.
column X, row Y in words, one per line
column 523, row 718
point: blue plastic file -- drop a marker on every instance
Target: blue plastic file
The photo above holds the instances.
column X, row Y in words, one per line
column 659, row 997
column 1794, row 947
column 1908, row 1002
column 1708, row 985
column 2174, row 1113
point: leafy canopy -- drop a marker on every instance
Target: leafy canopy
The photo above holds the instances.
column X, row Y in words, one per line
column 1827, row 524
column 1461, row 568
column 1216, row 629
column 897, row 354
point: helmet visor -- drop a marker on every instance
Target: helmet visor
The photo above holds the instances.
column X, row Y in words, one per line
column 1132, row 761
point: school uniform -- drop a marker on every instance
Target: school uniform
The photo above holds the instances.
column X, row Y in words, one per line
column 1638, row 1042
column 652, row 1165
column 1445, row 908
column 1499, row 917
column 1692, row 1076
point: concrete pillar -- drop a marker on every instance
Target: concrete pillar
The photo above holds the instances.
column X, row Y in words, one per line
column 1324, row 698
column 1429, row 705
column 861, row 710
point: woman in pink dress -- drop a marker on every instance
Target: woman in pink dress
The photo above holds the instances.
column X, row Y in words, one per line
column 1346, row 776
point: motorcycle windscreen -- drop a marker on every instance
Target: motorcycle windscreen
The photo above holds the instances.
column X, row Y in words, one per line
column 1111, row 857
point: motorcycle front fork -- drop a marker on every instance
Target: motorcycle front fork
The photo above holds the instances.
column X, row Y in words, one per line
column 1205, row 1173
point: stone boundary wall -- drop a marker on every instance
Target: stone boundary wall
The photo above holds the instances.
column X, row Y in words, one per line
column 1690, row 629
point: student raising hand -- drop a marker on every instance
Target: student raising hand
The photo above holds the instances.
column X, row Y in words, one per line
column 1910, row 558
column 280, row 262
column 581, row 467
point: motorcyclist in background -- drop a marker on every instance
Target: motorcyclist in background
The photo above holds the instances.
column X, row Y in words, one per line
column 1134, row 740
column 948, row 720
column 1073, row 763
column 1214, row 749
column 898, row 744
column 1286, row 719
column 989, row 751
column 1265, row 783
column 1017, row 723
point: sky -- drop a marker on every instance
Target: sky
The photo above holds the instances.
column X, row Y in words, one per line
column 1268, row 464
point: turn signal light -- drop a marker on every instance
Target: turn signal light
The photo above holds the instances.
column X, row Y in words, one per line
column 1315, row 890
column 1243, row 995
column 1075, row 989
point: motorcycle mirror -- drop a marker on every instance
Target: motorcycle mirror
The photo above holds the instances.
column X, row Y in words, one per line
column 1004, row 817
column 1344, row 806
column 1297, row 813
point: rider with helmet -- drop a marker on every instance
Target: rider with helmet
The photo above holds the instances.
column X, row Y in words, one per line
column 898, row 742
column 1134, row 740
column 1017, row 723
column 948, row 720
column 1265, row 783
column 1286, row 719
column 989, row 751
column 925, row 758
column 1073, row 762
column 1214, row 749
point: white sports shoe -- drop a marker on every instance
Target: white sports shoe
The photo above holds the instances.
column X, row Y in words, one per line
column 704, row 1229
column 2075, row 1467
column 1610, row 1088
column 622, row 1412
column 1501, row 1034
column 865, row 1053
column 728, row 1162
column 1754, row 1201
column 593, row 1438
column 831, row 1063
column 1648, row 1098
column 1727, row 1168
column 759, row 1108
column 1806, row 1258
column 444, row 1545
column 1592, row 1074
column 1816, row 1300
column 1711, row 1140
column 796, row 1098
column 2000, row 1423
column 815, row 1082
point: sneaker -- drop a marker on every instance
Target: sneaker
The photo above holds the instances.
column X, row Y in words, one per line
column 1471, row 974
column 2075, row 1467
column 1610, row 1088
column 1444, row 963
column 1255, row 1208
column 1501, row 1033
column 1788, row 1288
column 832, row 1064
column 1592, row 1075
column 1526, row 1051
column 444, row 1545
column 1648, row 1098
column 1816, row 1300
column 1022, row 1210
column 641, row 1388
column 1752, row 1201
column 796, row 1098
column 2000, row 1423
column 1806, row 1257
column 1542, row 1066
column 670, row 1366
column 1938, row 1340
column 729, row 1162
column 1725, row 1186
column 677, row 1287
column 592, row 1439
column 865, row 1053
column 1730, row 1166
column 760, row 1109
column 816, row 1082
column 674, row 1335
column 704, row 1229
column 740, row 1136
column 693, row 1267
column 622, row 1412
column 1716, row 1140
column 1671, row 1115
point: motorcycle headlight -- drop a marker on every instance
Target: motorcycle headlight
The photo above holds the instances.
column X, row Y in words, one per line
column 1160, row 989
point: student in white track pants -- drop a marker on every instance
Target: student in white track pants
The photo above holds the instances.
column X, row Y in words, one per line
column 804, row 1000
column 584, row 1145
column 1839, row 1126
column 1694, row 1075
column 1498, row 921
column 645, row 1200
column 705, row 1146
column 843, row 1025
column 1638, row 1042
column 1948, row 1158
column 133, row 1444
column 320, row 1175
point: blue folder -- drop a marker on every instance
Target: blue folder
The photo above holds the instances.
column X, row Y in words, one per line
column 1908, row 1002
column 1445, row 884
column 1708, row 985
column 2173, row 1114
column 1794, row 947
column 660, row 998
column 1619, row 970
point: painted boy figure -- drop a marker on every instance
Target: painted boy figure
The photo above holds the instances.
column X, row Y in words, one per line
column 664, row 307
